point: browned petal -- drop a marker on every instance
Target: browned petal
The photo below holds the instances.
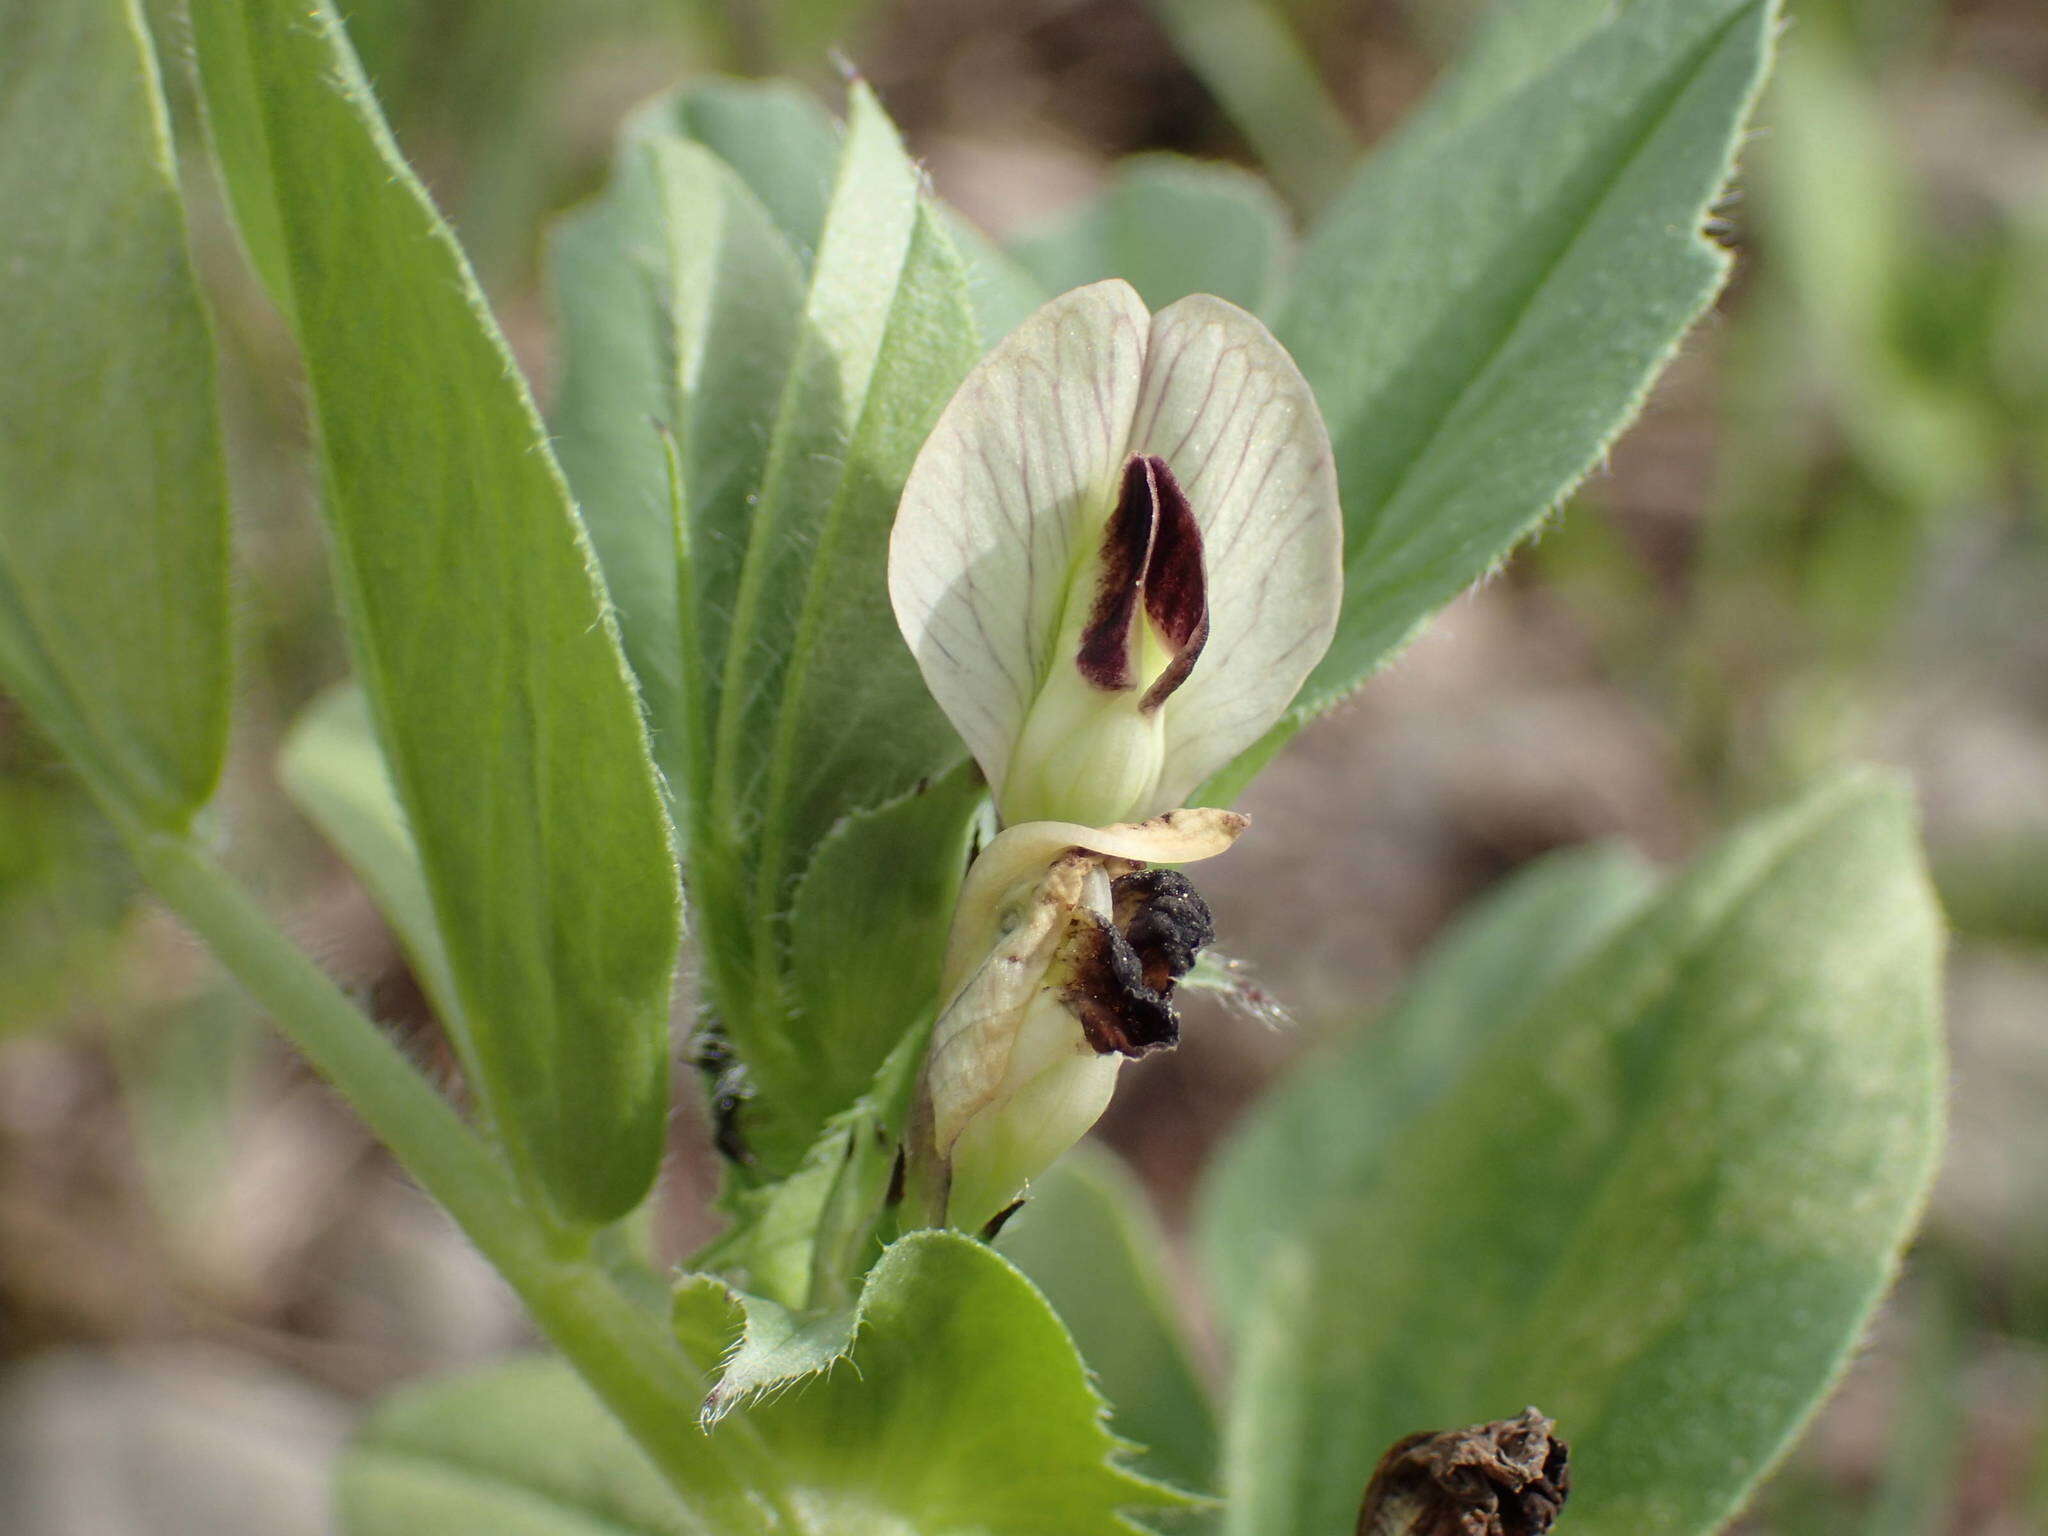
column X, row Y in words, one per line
column 1118, row 972
column 1105, row 989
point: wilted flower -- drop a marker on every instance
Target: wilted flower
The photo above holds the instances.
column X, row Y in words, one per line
column 1061, row 963
column 1119, row 553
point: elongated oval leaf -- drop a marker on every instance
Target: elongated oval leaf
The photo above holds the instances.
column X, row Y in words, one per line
column 481, row 635
column 1662, row 1205
column 679, row 304
column 821, row 712
column 113, row 498
column 1484, row 307
column 1309, row 1142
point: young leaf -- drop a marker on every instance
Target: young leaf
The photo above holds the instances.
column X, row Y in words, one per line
column 481, row 635
column 1484, row 307
column 960, row 1409
column 113, row 497
column 679, row 303
column 804, row 1241
column 1662, row 1206
column 1170, row 226
column 784, row 146
column 822, row 711
column 864, row 969
column 1087, row 1238
column 1316, row 1136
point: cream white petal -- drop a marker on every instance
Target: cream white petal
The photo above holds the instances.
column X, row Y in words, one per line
column 1015, row 479
column 1224, row 405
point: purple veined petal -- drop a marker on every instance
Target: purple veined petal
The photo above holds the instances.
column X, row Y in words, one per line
column 1225, row 406
column 1013, row 483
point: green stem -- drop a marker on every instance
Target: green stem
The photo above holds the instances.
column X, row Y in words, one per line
column 626, row 1352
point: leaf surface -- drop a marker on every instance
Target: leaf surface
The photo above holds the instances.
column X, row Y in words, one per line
column 333, row 772
column 961, row 1410
column 1311, row 1139
column 1483, row 308
column 821, row 712
column 1087, row 1238
column 679, row 304
column 482, row 637
column 1662, row 1205
column 113, row 496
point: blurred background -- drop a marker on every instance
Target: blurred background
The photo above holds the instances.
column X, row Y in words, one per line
column 1826, row 539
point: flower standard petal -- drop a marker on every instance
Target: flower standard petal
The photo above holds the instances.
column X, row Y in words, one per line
column 1224, row 405
column 1012, row 486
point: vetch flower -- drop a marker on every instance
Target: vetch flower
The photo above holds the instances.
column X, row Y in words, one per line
column 1119, row 553
column 1061, row 964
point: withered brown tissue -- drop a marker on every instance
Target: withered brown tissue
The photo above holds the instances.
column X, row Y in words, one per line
column 1507, row 1478
column 1122, row 968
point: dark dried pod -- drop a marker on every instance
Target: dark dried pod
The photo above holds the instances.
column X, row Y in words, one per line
column 1507, row 1478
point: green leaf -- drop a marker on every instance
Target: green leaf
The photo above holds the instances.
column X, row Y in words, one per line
column 854, row 724
column 331, row 769
column 113, row 497
column 679, row 307
column 1170, row 226
column 1309, row 1143
column 1485, row 306
column 786, row 148
column 481, row 635
column 781, row 142
column 821, row 711
column 1662, row 1205
column 514, row 1450
column 778, row 1348
column 1513, row 45
column 864, row 963
column 1003, row 291
column 962, row 1409
column 1087, row 1238
column 804, row 1241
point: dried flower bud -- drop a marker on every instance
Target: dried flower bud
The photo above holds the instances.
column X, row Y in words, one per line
column 1507, row 1478
column 1062, row 962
